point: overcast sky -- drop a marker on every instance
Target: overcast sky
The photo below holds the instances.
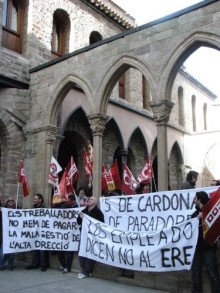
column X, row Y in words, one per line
column 204, row 64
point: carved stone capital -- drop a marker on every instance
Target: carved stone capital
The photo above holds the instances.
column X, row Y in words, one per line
column 97, row 123
column 51, row 133
column 161, row 110
column 51, row 136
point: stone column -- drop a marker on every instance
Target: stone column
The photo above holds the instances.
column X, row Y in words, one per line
column 161, row 110
column 97, row 125
column 124, row 156
column 51, row 136
column 40, row 149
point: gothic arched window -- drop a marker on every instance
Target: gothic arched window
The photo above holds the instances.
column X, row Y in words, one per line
column 60, row 33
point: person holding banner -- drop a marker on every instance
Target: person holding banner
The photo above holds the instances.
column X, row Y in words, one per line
column 93, row 211
column 39, row 256
column 205, row 253
column 10, row 204
column 191, row 178
column 66, row 257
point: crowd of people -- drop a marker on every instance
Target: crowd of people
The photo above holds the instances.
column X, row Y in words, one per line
column 204, row 254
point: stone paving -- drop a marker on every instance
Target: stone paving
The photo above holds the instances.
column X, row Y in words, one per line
column 35, row 281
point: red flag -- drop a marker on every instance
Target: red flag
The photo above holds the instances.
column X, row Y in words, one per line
column 146, row 174
column 115, row 175
column 211, row 219
column 129, row 183
column 104, row 183
column 90, row 153
column 72, row 172
column 23, row 179
column 109, row 181
column 87, row 165
column 65, row 186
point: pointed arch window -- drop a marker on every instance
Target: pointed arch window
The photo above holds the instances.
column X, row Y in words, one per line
column 60, row 33
column 194, row 112
column 205, row 116
column 12, row 25
column 94, row 37
column 181, row 107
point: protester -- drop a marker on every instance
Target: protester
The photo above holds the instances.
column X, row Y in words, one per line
column 66, row 257
column 215, row 182
column 82, row 197
column 93, row 211
column 143, row 188
column 40, row 257
column 191, row 179
column 204, row 253
column 107, row 193
column 10, row 204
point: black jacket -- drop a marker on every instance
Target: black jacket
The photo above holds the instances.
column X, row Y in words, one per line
column 202, row 245
column 95, row 213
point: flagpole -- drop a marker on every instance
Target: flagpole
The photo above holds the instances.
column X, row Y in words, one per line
column 17, row 196
column 76, row 197
column 153, row 176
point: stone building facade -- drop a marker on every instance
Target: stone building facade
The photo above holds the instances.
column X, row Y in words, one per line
column 81, row 70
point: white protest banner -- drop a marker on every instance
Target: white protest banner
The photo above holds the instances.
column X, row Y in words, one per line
column 170, row 249
column 150, row 211
column 45, row 229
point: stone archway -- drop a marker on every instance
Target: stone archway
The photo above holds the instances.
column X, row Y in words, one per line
column 114, row 73
column 76, row 134
column 112, row 141
column 187, row 47
column 12, row 152
column 175, row 168
column 137, row 152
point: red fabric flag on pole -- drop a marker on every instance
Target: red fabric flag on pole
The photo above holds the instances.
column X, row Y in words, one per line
column 129, row 183
column 72, row 172
column 104, row 183
column 23, row 179
column 109, row 181
column 115, row 175
column 146, row 174
column 211, row 219
column 87, row 165
column 90, row 153
column 62, row 187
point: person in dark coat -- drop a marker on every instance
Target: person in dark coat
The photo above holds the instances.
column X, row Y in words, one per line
column 191, row 179
column 204, row 253
column 66, row 257
column 40, row 257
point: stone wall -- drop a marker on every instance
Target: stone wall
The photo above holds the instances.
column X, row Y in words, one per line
column 83, row 20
